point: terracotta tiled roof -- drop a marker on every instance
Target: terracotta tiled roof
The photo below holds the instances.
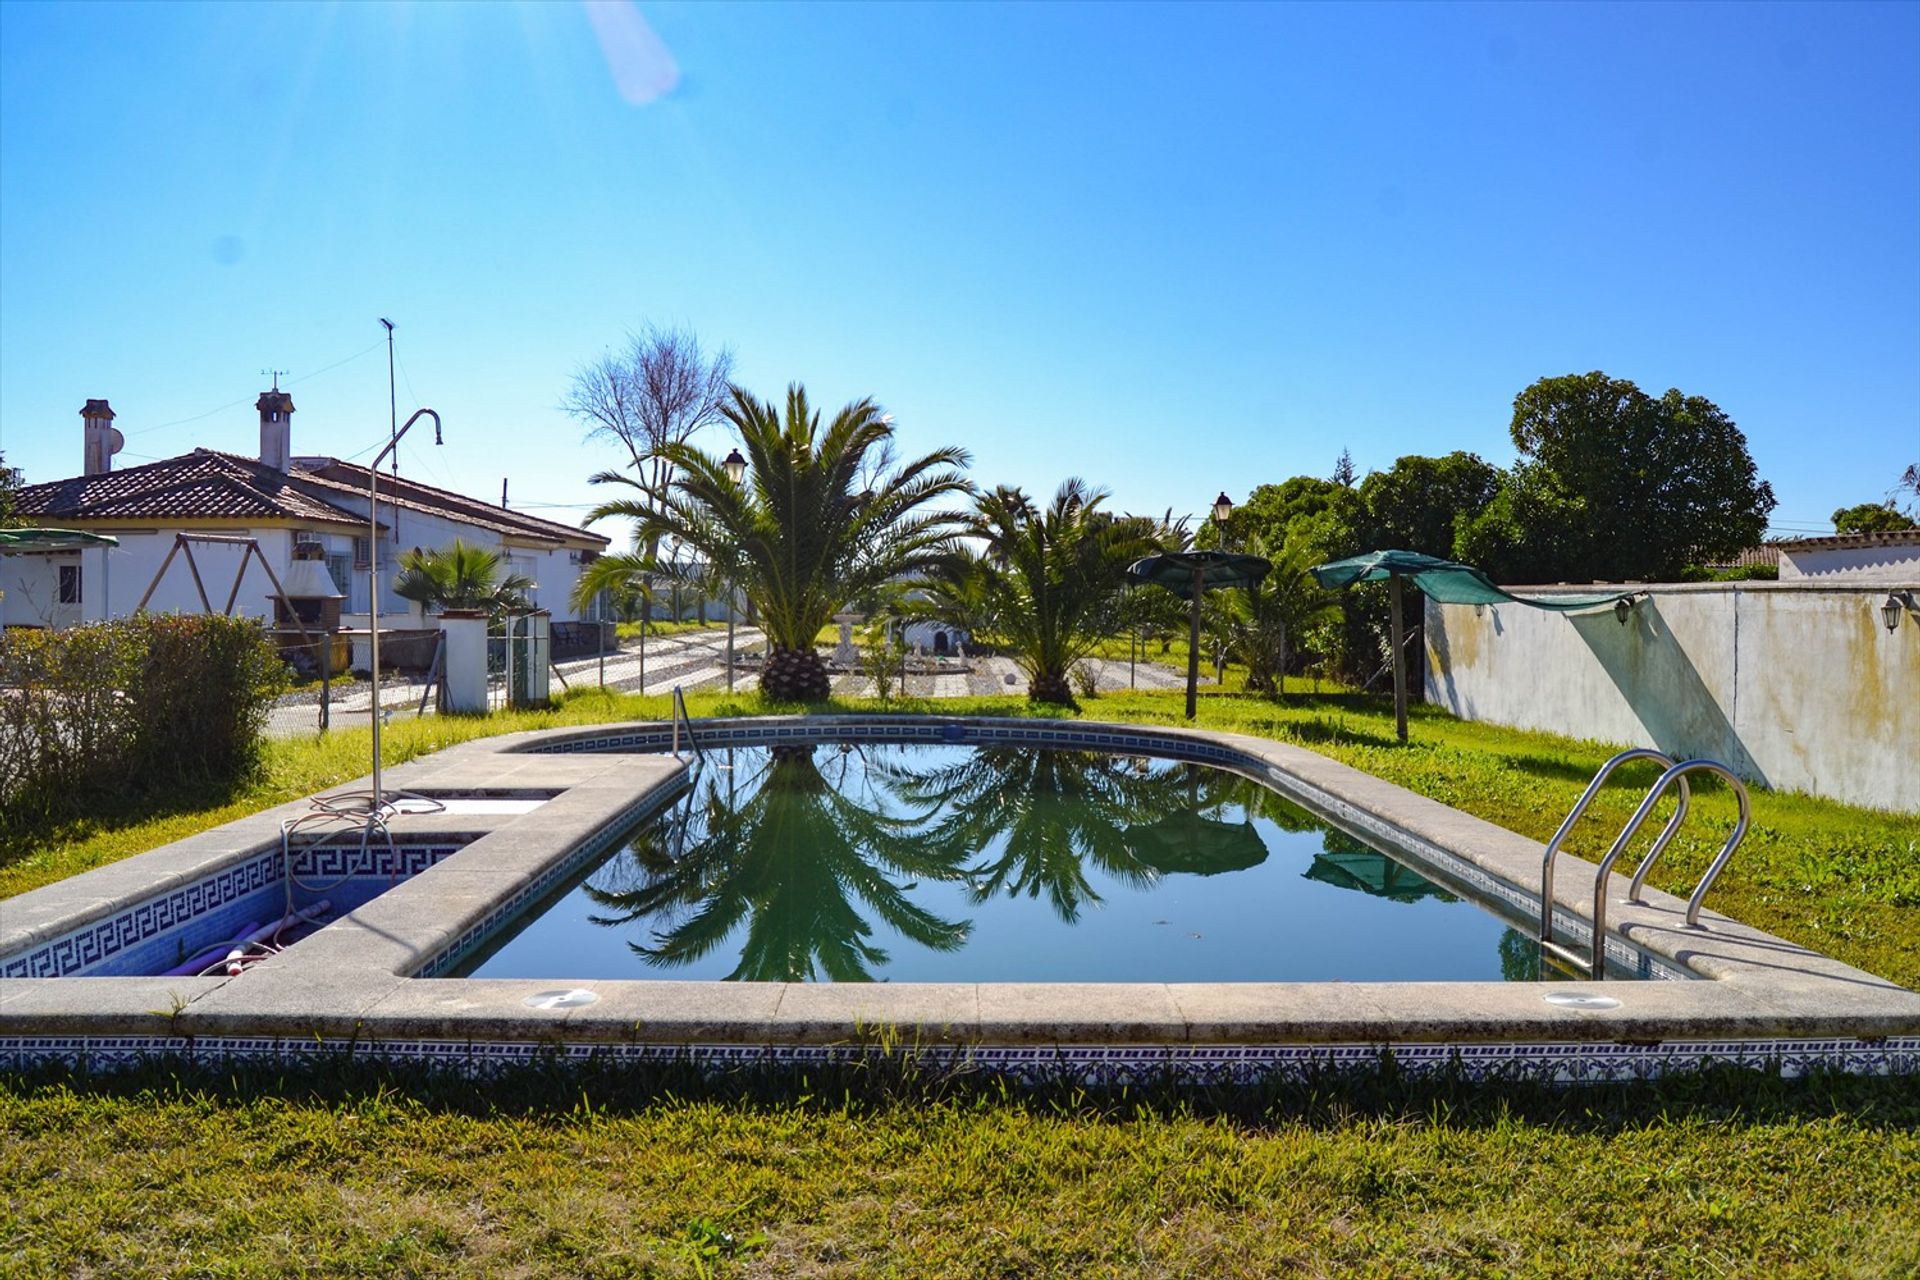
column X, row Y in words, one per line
column 208, row 484
column 202, row 485
column 1843, row 541
column 351, row 477
column 1767, row 554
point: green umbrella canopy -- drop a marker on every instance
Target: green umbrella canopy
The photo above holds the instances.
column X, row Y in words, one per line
column 1445, row 581
column 26, row 540
column 1373, row 873
column 1196, row 845
column 1175, row 570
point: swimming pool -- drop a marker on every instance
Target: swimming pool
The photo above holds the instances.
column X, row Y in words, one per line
column 861, row 862
column 375, row 981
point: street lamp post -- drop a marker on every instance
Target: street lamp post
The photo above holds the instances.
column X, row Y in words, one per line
column 736, row 469
column 1222, row 508
column 373, row 575
column 673, row 569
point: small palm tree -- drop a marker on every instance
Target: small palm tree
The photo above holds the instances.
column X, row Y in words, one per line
column 1257, row 625
column 461, row 576
column 819, row 520
column 1051, row 579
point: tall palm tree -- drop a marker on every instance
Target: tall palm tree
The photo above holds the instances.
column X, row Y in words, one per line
column 822, row 518
column 1052, row 578
column 461, row 576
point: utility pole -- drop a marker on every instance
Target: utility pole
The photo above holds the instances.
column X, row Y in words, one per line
column 393, row 416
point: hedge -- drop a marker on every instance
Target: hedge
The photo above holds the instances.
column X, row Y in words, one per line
column 132, row 707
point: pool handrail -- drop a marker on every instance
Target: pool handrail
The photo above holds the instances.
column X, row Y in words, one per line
column 680, row 717
column 1580, row 807
column 1677, row 773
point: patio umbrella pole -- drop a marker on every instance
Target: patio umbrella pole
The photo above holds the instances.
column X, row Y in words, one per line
column 1193, row 641
column 1399, row 664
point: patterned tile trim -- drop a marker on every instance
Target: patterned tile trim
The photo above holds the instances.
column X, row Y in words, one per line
column 1558, row 1062
column 194, row 916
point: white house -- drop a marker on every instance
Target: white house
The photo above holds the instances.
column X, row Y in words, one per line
column 1892, row 557
column 277, row 499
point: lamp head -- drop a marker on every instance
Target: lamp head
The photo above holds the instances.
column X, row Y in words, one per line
column 735, row 466
column 1623, row 609
column 1222, row 508
column 1891, row 610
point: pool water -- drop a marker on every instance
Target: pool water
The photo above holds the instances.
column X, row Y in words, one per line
column 858, row 863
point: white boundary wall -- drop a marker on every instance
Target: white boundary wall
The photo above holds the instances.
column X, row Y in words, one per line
column 1798, row 686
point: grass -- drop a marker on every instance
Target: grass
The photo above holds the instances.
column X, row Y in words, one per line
column 886, row 1171
column 331, row 1169
column 629, row 631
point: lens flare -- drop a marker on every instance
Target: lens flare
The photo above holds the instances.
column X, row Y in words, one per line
column 643, row 70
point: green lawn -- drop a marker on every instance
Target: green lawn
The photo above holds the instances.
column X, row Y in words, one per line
column 327, row 1171
column 883, row 1170
column 630, row 631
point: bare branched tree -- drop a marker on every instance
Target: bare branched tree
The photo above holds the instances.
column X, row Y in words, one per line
column 657, row 392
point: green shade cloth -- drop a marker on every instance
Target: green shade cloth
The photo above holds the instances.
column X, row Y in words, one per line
column 1446, row 581
column 52, row 540
column 1217, row 569
column 1375, row 874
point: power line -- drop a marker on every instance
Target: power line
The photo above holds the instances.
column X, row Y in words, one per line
column 232, row 404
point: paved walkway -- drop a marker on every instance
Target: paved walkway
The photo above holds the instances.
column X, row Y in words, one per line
column 697, row 660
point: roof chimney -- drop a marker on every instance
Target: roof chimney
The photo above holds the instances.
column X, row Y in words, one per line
column 102, row 441
column 276, row 428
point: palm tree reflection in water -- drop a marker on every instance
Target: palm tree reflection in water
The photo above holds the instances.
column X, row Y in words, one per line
column 803, row 843
column 786, row 850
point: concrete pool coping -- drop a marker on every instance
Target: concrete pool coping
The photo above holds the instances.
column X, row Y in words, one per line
column 351, row 984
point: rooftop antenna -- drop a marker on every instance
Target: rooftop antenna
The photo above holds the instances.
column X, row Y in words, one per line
column 393, row 417
column 276, row 374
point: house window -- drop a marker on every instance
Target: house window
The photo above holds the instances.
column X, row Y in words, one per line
column 69, row 584
column 362, row 552
column 337, row 570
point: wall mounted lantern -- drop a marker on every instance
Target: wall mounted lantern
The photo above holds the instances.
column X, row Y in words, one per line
column 1897, row 603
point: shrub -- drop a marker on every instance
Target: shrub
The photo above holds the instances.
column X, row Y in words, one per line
column 136, row 706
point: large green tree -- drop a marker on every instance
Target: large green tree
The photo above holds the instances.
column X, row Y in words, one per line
column 821, row 518
column 1872, row 517
column 8, row 484
column 1637, row 486
column 1415, row 504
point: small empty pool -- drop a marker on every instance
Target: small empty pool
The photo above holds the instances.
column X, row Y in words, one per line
column 867, row 862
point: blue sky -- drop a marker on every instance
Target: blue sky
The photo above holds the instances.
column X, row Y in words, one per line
column 1172, row 249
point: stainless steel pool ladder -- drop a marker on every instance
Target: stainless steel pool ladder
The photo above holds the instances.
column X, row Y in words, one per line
column 680, row 718
column 1594, row 964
